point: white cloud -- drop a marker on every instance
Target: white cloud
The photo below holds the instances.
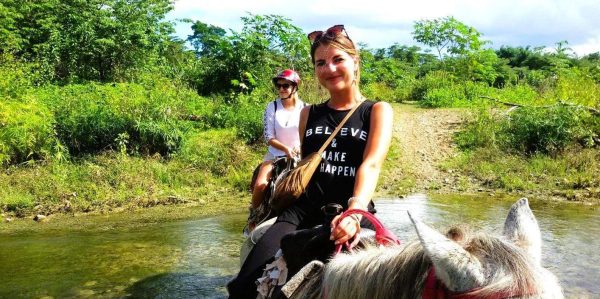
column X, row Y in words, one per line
column 381, row 23
column 591, row 45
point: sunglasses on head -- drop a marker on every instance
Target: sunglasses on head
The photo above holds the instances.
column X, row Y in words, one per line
column 333, row 32
column 284, row 85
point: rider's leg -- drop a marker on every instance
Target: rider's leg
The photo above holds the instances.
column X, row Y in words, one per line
column 262, row 180
column 244, row 286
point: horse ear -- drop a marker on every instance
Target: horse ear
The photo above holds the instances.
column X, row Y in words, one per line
column 522, row 228
column 454, row 266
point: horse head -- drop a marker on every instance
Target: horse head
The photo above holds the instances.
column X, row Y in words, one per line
column 465, row 265
column 492, row 267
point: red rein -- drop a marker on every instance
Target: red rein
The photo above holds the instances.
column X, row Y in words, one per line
column 382, row 235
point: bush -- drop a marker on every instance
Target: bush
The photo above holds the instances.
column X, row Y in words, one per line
column 379, row 92
column 539, row 130
column 26, row 131
column 242, row 112
column 217, row 151
column 457, row 95
column 518, row 94
column 125, row 116
column 433, row 80
column 577, row 86
column 479, row 133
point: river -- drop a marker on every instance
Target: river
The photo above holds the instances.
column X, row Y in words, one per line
column 116, row 257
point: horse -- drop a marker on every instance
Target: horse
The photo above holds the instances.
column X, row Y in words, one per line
column 459, row 264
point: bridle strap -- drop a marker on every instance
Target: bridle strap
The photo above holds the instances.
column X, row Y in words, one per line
column 434, row 289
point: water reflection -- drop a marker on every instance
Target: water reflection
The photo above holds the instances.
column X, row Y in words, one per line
column 196, row 257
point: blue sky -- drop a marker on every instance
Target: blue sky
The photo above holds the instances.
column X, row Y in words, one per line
column 381, row 23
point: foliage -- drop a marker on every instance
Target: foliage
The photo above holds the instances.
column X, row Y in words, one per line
column 576, row 169
column 433, row 80
column 532, row 130
column 449, row 35
column 94, row 117
column 479, row 133
column 465, row 94
column 26, row 131
column 91, row 40
column 242, row 61
column 576, row 86
column 199, row 151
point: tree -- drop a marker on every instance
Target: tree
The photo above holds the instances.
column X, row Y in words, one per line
column 447, row 35
column 207, row 39
column 10, row 39
column 89, row 40
column 242, row 60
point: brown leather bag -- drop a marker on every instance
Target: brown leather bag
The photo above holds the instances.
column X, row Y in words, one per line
column 290, row 185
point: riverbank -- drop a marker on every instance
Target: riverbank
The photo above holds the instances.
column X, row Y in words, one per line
column 423, row 158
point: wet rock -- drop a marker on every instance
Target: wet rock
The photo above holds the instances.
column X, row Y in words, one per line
column 39, row 218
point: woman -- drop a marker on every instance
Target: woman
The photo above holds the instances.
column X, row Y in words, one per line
column 280, row 130
column 352, row 162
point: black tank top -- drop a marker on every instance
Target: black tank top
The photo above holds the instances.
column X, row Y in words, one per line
column 333, row 181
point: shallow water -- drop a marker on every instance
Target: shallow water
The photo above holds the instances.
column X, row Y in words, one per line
column 194, row 258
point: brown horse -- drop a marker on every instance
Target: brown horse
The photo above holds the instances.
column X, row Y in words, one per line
column 457, row 265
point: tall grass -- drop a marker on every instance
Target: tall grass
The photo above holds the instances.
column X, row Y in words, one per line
column 95, row 117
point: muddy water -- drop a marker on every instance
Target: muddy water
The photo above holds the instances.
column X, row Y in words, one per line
column 194, row 258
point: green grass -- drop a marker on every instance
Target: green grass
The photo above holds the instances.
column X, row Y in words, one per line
column 575, row 171
column 215, row 166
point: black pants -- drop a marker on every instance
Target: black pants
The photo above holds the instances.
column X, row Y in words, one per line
column 244, row 286
column 301, row 242
column 301, row 215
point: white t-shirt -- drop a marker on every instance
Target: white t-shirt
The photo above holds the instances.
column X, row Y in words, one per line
column 282, row 125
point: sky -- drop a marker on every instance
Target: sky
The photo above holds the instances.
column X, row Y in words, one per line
column 380, row 23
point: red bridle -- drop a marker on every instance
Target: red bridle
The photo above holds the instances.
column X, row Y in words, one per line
column 434, row 289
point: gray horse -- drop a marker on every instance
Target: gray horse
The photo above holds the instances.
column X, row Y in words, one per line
column 456, row 265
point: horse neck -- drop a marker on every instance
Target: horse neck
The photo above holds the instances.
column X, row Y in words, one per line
column 391, row 272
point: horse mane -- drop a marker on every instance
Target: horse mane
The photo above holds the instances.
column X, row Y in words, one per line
column 401, row 271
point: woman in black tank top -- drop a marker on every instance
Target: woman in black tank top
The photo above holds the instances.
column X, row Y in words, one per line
column 352, row 162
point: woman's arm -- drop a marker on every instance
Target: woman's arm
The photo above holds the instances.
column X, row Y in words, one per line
column 378, row 144
column 302, row 125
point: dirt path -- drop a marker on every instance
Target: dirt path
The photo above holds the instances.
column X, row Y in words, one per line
column 422, row 140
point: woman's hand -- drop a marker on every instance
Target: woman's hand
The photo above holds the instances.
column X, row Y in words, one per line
column 344, row 230
column 291, row 152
